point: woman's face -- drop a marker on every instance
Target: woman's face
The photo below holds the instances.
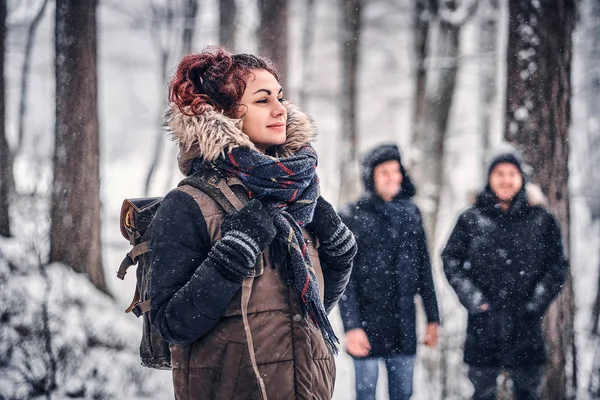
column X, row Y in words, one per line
column 263, row 116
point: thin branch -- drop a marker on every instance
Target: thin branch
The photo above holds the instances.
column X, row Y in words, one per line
column 35, row 22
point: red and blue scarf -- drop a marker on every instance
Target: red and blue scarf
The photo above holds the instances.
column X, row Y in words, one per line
column 290, row 187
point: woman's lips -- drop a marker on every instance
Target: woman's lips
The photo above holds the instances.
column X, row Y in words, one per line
column 278, row 127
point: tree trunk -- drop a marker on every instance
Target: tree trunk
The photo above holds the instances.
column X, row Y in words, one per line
column 423, row 13
column 190, row 10
column 488, row 49
column 227, row 24
column 537, row 119
column 589, row 147
column 169, row 44
column 430, row 132
column 433, row 120
column 35, row 22
column 272, row 34
column 307, row 45
column 6, row 172
column 348, row 170
column 75, row 209
column 590, row 13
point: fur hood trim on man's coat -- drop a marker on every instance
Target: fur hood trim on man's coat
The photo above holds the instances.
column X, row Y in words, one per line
column 211, row 134
column 533, row 196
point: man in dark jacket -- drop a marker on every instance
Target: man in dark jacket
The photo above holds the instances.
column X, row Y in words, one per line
column 505, row 261
column 391, row 267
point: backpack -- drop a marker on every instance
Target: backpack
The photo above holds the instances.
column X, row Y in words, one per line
column 136, row 225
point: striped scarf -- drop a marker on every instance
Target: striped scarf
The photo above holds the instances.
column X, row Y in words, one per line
column 289, row 186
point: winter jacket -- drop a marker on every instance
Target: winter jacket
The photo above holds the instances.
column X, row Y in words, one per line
column 391, row 267
column 513, row 261
column 198, row 309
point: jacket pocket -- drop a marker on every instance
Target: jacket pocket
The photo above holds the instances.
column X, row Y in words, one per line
column 230, row 370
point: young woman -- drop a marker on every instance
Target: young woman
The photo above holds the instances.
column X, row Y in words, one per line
column 228, row 116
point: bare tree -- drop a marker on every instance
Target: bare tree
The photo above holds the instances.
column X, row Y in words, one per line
column 350, row 17
column 190, row 10
column 424, row 11
column 29, row 44
column 8, row 155
column 169, row 44
column 171, row 25
column 75, row 207
column 538, row 95
column 307, row 44
column 432, row 121
column 6, row 173
column 590, row 146
column 227, row 23
column 488, row 65
column 272, row 33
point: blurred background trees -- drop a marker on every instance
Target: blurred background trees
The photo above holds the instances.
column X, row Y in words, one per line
column 448, row 80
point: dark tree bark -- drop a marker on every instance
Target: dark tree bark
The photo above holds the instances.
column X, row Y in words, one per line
column 351, row 23
column 227, row 23
column 6, row 173
column 537, row 119
column 424, row 11
column 272, row 34
column 75, row 209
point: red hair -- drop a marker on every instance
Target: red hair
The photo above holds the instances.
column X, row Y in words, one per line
column 214, row 78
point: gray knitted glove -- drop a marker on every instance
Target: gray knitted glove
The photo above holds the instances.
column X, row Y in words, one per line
column 337, row 243
column 245, row 235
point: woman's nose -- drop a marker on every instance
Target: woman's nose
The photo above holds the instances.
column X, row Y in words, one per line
column 279, row 109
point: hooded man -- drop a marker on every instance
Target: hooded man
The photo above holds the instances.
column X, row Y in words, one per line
column 506, row 263
column 391, row 267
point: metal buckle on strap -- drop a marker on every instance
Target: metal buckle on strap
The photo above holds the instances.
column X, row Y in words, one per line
column 141, row 308
column 137, row 311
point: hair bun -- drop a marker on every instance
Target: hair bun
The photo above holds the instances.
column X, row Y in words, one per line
column 214, row 79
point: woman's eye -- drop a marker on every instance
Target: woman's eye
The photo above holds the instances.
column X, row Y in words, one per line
column 281, row 99
column 262, row 101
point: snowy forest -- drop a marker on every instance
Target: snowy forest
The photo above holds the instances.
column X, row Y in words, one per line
column 82, row 101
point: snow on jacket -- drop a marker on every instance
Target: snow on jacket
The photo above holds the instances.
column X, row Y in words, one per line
column 391, row 267
column 513, row 261
column 198, row 309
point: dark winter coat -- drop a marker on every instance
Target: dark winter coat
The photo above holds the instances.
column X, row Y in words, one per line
column 513, row 261
column 391, row 267
column 198, row 311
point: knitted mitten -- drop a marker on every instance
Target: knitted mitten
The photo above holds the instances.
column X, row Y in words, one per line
column 337, row 243
column 245, row 235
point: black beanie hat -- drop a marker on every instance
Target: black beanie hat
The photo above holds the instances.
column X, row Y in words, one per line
column 379, row 155
column 510, row 158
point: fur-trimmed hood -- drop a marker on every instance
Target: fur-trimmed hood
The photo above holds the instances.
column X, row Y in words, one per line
column 211, row 134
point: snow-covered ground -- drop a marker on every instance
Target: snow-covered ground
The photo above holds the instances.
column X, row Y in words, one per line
column 129, row 104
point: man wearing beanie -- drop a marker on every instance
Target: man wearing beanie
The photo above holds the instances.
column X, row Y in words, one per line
column 391, row 267
column 506, row 263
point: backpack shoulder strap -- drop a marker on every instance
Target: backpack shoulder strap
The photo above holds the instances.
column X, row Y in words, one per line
column 216, row 187
column 219, row 189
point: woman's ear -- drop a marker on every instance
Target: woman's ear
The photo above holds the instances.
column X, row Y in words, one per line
column 242, row 109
